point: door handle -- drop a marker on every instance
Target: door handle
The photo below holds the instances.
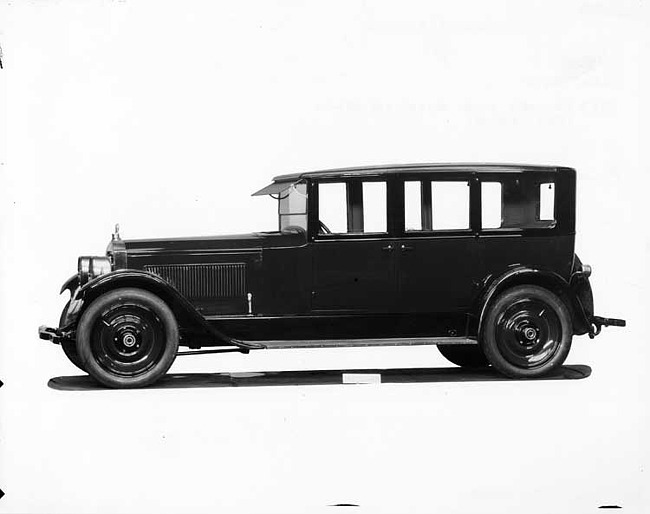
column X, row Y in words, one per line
column 405, row 248
column 388, row 248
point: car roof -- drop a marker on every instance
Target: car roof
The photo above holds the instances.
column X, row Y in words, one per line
column 393, row 169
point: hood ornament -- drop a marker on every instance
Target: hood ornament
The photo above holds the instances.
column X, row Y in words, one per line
column 116, row 234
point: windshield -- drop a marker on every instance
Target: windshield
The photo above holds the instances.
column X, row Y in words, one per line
column 293, row 207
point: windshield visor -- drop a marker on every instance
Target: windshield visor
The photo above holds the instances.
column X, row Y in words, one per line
column 273, row 189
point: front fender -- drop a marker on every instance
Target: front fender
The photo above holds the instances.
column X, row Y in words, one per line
column 81, row 297
column 129, row 278
column 186, row 314
column 71, row 284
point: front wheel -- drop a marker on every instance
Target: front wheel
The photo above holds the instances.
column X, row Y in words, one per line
column 527, row 332
column 127, row 338
column 70, row 347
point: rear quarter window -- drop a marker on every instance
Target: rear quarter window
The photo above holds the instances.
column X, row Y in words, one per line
column 517, row 203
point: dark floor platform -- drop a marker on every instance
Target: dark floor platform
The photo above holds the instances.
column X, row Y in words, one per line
column 318, row 377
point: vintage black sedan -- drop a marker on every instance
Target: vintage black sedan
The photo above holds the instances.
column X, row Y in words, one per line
column 477, row 259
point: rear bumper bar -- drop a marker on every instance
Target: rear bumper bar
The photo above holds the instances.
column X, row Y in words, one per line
column 49, row 333
column 598, row 322
column 56, row 335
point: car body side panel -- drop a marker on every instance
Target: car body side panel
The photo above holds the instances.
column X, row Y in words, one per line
column 425, row 283
column 354, row 275
column 342, row 326
column 283, row 282
column 497, row 253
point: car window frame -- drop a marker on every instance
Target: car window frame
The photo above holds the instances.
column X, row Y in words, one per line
column 542, row 177
column 306, row 213
column 313, row 220
column 425, row 179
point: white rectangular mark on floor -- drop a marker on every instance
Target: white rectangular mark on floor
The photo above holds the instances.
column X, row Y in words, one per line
column 361, row 378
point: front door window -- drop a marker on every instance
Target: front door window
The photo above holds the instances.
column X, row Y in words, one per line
column 353, row 207
column 332, row 208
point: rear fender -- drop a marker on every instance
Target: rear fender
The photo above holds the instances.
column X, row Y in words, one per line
column 524, row 276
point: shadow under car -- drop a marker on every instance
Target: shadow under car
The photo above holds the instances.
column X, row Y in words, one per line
column 320, row 377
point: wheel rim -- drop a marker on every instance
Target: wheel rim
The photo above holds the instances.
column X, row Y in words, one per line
column 528, row 333
column 127, row 340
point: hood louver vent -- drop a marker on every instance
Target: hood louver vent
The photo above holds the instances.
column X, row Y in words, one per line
column 205, row 280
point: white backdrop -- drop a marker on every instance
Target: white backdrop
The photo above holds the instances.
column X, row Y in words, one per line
column 165, row 116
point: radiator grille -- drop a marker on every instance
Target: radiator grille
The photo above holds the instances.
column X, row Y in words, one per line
column 204, row 280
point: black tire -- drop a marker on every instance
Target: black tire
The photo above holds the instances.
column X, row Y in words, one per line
column 127, row 338
column 70, row 347
column 527, row 332
column 464, row 355
column 70, row 350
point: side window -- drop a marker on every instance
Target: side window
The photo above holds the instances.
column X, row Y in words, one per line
column 491, row 201
column 374, row 207
column 436, row 205
column 450, row 202
column 352, row 207
column 332, row 206
column 412, row 205
column 517, row 203
column 547, row 201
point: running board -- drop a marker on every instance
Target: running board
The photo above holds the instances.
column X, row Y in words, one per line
column 343, row 343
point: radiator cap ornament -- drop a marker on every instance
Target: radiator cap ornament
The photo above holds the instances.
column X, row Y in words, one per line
column 116, row 233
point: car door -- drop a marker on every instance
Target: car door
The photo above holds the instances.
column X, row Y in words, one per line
column 436, row 255
column 353, row 252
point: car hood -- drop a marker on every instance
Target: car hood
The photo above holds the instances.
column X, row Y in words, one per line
column 243, row 242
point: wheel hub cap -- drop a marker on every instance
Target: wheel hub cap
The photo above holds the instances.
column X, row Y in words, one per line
column 128, row 340
column 528, row 333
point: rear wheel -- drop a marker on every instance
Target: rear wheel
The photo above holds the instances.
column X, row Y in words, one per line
column 527, row 332
column 70, row 350
column 464, row 355
column 127, row 338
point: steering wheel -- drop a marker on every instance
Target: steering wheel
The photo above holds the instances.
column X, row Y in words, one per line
column 322, row 228
column 293, row 229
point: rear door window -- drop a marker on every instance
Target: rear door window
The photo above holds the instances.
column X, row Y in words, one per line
column 374, row 207
column 450, row 205
column 431, row 205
